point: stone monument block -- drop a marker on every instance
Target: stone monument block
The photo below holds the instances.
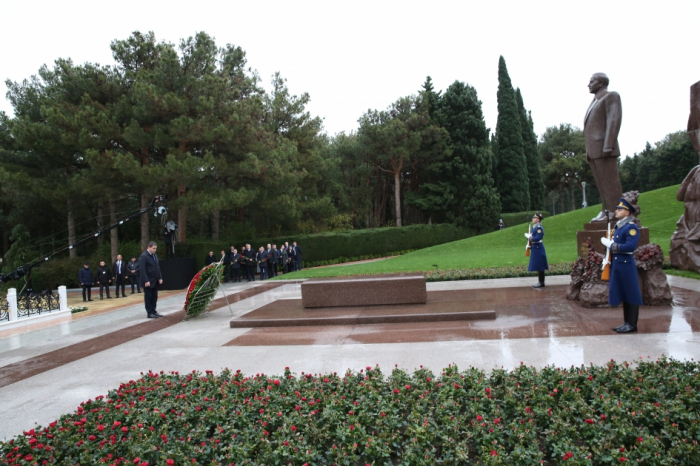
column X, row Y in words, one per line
column 370, row 291
column 593, row 231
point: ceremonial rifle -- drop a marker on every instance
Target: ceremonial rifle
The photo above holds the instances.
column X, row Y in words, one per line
column 605, row 275
column 529, row 240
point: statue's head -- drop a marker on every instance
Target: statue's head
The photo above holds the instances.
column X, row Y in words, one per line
column 597, row 82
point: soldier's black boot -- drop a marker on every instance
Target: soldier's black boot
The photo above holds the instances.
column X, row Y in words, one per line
column 633, row 316
column 540, row 276
column 625, row 313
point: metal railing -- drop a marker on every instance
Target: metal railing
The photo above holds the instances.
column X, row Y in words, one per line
column 4, row 309
column 37, row 303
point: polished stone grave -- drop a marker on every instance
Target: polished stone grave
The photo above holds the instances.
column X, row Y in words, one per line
column 364, row 291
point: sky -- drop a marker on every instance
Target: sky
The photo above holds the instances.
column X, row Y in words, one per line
column 352, row 56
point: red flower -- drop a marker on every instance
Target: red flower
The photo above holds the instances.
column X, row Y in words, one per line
column 590, row 421
column 479, row 418
column 294, row 428
column 494, row 453
column 276, row 382
column 170, row 462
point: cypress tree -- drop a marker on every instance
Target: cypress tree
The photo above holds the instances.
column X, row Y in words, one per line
column 512, row 177
column 468, row 169
column 534, row 171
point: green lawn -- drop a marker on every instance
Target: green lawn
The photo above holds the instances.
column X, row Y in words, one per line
column 660, row 212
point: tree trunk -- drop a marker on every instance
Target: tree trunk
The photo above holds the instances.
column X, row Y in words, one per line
column 572, row 195
column 397, row 197
column 100, row 224
column 72, row 237
column 144, row 223
column 561, row 201
column 181, row 216
column 215, row 226
column 114, row 233
column 430, row 219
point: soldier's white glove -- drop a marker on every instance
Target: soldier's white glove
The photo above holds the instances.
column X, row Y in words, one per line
column 606, row 242
column 527, row 235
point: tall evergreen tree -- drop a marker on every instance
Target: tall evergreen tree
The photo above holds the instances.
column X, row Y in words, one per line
column 468, row 170
column 534, row 170
column 511, row 171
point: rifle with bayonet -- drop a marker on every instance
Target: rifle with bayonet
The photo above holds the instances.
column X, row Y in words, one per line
column 528, row 246
column 605, row 275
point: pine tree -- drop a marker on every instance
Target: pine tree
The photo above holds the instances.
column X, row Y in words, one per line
column 468, row 169
column 534, row 171
column 512, row 176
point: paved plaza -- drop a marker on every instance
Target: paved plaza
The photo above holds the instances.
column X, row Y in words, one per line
column 48, row 369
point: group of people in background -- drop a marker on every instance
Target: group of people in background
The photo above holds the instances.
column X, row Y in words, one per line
column 268, row 262
column 105, row 276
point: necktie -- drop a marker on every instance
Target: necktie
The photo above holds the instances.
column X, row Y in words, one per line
column 119, row 267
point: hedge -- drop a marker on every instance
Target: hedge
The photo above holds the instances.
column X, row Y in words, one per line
column 519, row 218
column 352, row 243
column 644, row 413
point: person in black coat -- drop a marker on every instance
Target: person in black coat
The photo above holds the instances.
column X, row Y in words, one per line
column 210, row 259
column 150, row 278
column 291, row 259
column 104, row 278
column 273, row 259
column 261, row 258
column 297, row 253
column 86, row 279
column 235, row 259
column 282, row 261
column 119, row 274
column 249, row 256
column 132, row 271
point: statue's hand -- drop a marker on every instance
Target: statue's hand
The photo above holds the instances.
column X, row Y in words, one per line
column 607, row 151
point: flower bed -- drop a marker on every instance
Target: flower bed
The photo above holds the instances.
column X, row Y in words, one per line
column 600, row 415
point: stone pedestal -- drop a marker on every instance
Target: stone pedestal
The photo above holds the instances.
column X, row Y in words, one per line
column 365, row 291
column 592, row 232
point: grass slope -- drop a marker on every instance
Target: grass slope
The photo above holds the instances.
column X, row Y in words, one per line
column 660, row 212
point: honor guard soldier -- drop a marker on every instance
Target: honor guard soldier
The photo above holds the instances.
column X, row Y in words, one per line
column 538, row 256
column 624, row 285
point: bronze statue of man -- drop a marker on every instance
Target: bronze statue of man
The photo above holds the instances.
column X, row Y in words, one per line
column 601, row 126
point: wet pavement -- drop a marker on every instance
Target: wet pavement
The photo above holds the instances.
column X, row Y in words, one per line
column 521, row 313
column 534, row 327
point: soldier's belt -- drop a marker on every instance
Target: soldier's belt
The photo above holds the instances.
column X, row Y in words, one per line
column 536, row 242
column 622, row 253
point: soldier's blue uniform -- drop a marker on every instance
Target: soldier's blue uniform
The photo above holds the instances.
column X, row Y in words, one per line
column 538, row 256
column 624, row 285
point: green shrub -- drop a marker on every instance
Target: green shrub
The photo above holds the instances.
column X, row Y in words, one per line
column 331, row 246
column 519, row 218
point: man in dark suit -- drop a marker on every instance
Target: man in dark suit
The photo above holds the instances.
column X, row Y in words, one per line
column 104, row 279
column 261, row 258
column 210, row 259
column 119, row 274
column 273, row 259
column 297, row 253
column 150, row 279
column 235, row 259
column 291, row 259
column 86, row 279
column 601, row 125
column 249, row 256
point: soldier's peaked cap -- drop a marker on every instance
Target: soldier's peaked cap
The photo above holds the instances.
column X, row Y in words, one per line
column 538, row 215
column 624, row 205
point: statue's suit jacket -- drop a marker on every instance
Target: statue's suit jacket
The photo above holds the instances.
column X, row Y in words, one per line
column 602, row 125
